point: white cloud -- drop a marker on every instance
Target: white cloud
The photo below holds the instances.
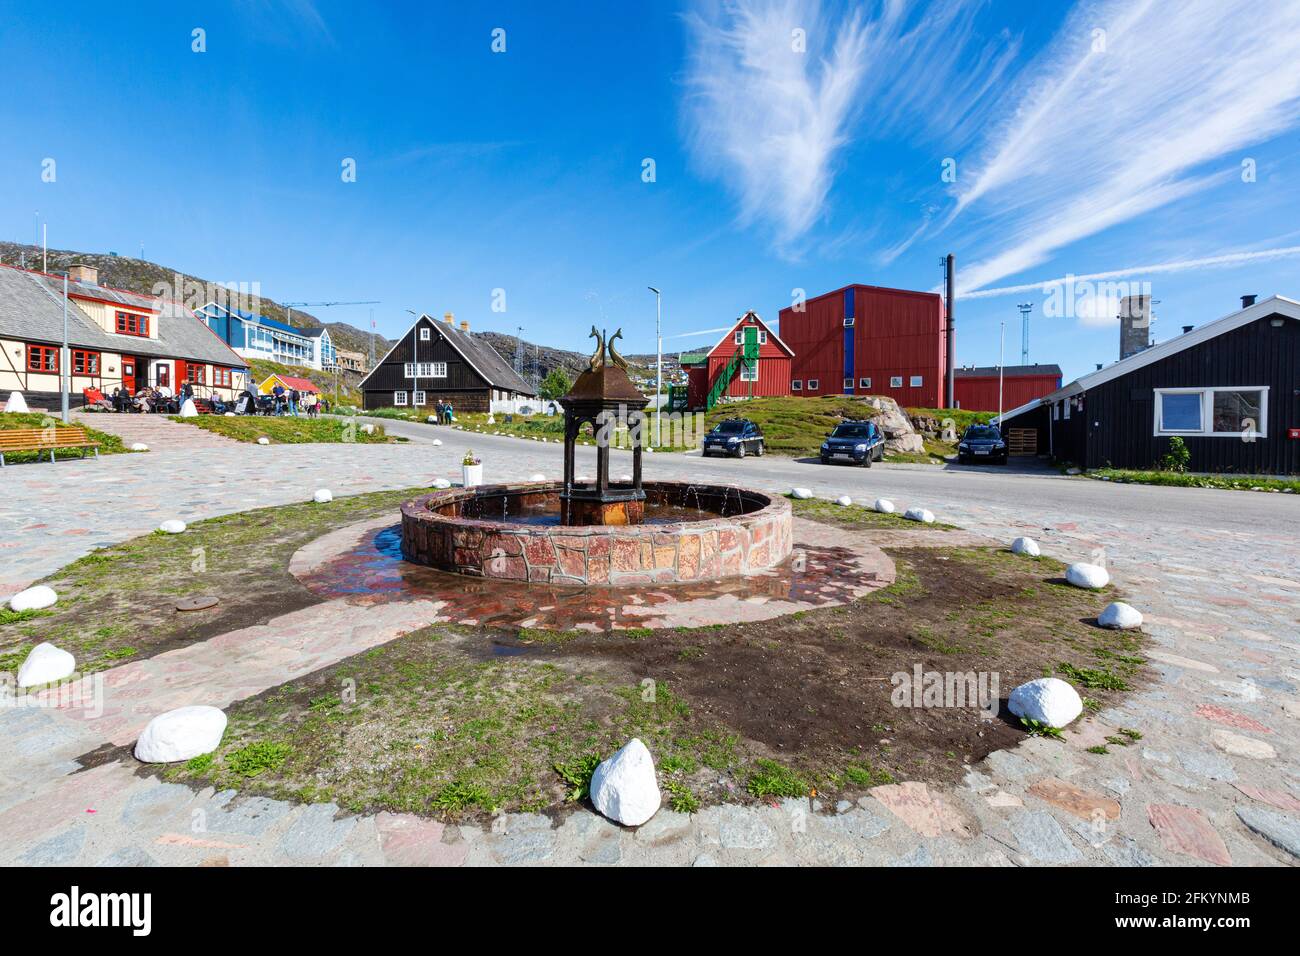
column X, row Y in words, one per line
column 769, row 120
column 1101, row 136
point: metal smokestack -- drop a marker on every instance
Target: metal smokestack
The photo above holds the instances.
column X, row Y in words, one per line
column 950, row 280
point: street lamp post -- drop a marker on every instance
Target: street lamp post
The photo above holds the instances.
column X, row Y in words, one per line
column 65, row 357
column 1002, row 345
column 659, row 366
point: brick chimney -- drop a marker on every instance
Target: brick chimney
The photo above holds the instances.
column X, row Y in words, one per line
column 464, row 325
column 87, row 274
column 448, row 318
column 1247, row 301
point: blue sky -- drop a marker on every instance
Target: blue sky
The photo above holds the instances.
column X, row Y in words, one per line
column 1100, row 138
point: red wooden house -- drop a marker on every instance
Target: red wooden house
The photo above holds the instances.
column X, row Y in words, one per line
column 868, row 340
column 726, row 374
column 977, row 389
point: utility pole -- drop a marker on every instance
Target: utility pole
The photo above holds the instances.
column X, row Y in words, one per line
column 519, row 351
column 1025, row 308
column 950, row 282
column 659, row 366
column 372, row 339
column 1002, row 344
column 45, row 255
column 65, row 357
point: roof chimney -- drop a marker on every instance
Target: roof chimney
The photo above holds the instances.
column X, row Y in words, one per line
column 448, row 318
column 1247, row 301
column 464, row 325
column 87, row 274
column 1187, row 328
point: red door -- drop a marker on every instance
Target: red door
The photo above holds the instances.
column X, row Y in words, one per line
column 128, row 373
column 164, row 375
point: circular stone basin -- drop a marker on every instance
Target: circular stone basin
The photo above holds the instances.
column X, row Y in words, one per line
column 513, row 532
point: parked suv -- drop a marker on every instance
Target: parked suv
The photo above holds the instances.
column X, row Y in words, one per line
column 982, row 443
column 858, row 443
column 735, row 436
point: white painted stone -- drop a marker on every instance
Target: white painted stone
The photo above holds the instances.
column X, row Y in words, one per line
column 537, row 477
column 264, row 440
column 230, row 414
column 437, row 441
column 919, row 514
column 431, row 420
column 884, row 506
column 1026, row 546
column 624, row 477
column 1083, row 575
column 172, row 526
column 1048, row 700
column 803, row 494
column 368, row 429
column 188, row 410
column 44, row 665
column 181, row 734
column 322, row 496
column 624, row 788
column 1120, row 616
column 33, row 599
column 844, row 501
column 139, row 446
column 441, row 483
column 16, row 402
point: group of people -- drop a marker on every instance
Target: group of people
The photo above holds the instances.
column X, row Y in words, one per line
column 444, row 413
column 290, row 401
column 151, row 398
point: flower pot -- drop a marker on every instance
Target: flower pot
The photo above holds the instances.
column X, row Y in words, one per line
column 471, row 475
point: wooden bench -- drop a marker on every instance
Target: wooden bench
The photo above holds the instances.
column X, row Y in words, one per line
column 44, row 439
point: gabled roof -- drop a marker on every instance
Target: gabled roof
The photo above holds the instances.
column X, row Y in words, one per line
column 481, row 357
column 31, row 309
column 730, row 333
column 291, row 382
column 1273, row 305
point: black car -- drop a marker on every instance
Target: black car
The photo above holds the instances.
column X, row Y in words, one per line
column 735, row 436
column 858, row 443
column 982, row 443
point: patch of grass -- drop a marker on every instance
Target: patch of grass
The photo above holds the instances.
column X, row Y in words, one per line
column 1092, row 677
column 864, row 775
column 858, row 516
column 1098, row 749
column 1036, row 728
column 8, row 616
column 682, row 798
column 199, row 765
column 577, row 775
column 771, row 779
column 287, row 430
column 1174, row 479
column 255, row 759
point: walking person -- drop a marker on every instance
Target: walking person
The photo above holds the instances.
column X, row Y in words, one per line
column 294, row 397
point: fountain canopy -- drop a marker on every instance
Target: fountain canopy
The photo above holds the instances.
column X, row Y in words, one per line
column 603, row 396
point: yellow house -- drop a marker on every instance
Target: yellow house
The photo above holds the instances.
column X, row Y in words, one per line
column 116, row 339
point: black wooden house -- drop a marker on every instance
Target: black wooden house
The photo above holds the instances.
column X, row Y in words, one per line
column 1229, row 389
column 439, row 361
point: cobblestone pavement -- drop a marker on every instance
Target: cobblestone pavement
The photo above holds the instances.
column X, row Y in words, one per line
column 1213, row 781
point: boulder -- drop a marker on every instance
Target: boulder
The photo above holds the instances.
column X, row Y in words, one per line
column 322, row 496
column 906, row 444
column 368, row 429
column 919, row 514
column 437, row 441
column 139, row 446
column 181, row 734
column 230, row 415
column 33, row 599
column 45, row 665
column 16, row 402
column 624, row 477
column 624, row 787
column 1026, row 546
column 172, row 526
column 1083, row 575
column 188, row 410
column 1048, row 700
column 441, row 483
column 884, row 506
column 844, row 501
column 537, row 477
column 264, row 440
column 803, row 494
column 1120, row 616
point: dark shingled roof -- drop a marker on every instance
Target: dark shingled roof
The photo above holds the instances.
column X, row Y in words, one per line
column 1008, row 371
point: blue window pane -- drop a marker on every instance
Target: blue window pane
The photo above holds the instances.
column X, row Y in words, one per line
column 1181, row 413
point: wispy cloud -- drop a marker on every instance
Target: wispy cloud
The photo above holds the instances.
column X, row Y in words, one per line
column 1110, row 125
column 768, row 117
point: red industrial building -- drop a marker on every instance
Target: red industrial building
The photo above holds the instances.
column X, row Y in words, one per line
column 723, row 373
column 976, row 389
column 868, row 340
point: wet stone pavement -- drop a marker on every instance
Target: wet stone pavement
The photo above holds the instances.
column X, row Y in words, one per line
column 1213, row 781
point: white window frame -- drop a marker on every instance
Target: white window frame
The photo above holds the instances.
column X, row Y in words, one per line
column 399, row 399
column 895, row 381
column 748, row 373
column 796, row 385
column 1207, row 394
column 864, row 382
column 419, row 397
column 416, row 370
column 813, row 384
column 916, row 381
column 424, row 334
column 740, row 336
column 762, row 337
column 848, row 383
column 848, row 321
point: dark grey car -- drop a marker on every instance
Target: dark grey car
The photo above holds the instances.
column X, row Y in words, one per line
column 982, row 443
column 735, row 436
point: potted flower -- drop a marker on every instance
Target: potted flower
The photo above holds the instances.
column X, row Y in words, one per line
column 471, row 470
